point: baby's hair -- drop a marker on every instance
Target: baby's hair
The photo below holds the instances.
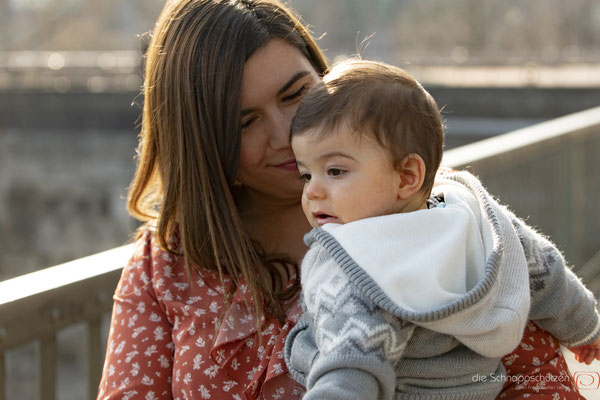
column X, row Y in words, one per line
column 374, row 98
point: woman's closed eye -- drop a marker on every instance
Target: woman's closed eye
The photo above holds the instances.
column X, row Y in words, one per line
column 246, row 124
column 289, row 98
column 297, row 94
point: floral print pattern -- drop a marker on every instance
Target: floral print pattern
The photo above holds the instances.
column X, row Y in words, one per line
column 170, row 339
column 537, row 369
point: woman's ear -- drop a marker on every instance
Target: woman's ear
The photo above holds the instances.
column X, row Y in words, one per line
column 412, row 175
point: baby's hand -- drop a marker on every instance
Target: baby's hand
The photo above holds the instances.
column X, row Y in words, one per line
column 586, row 354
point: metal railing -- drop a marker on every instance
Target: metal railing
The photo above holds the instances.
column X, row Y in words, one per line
column 36, row 306
column 548, row 173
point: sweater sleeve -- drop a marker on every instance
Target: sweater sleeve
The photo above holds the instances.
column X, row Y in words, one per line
column 139, row 356
column 300, row 350
column 560, row 303
column 361, row 364
column 358, row 343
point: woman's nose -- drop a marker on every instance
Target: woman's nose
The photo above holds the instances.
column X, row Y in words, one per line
column 280, row 130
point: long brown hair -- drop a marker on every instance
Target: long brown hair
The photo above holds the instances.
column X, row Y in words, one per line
column 189, row 147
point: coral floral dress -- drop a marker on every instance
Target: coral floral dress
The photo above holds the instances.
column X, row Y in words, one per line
column 165, row 341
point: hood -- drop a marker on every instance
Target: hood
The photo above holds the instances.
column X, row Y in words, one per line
column 434, row 256
column 439, row 268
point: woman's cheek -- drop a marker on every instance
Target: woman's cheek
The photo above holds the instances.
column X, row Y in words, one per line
column 252, row 150
column 291, row 111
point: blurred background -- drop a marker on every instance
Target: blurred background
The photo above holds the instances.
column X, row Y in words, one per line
column 70, row 103
column 70, row 76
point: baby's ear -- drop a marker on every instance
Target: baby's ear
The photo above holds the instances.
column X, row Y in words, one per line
column 412, row 175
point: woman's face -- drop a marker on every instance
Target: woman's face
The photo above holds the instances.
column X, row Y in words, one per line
column 276, row 77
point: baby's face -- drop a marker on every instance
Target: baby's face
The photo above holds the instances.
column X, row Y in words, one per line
column 346, row 177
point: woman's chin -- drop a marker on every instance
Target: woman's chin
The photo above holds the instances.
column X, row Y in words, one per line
column 278, row 190
column 290, row 190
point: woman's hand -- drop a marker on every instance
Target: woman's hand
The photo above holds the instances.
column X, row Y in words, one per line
column 586, row 354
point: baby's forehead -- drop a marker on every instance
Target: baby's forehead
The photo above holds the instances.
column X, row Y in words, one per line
column 339, row 130
column 343, row 139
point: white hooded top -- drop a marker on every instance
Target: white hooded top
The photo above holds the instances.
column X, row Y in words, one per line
column 428, row 260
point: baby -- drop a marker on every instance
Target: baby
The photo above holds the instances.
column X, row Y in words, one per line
column 411, row 290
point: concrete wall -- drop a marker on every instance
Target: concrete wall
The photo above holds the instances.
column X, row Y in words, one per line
column 67, row 158
column 61, row 195
column 65, row 163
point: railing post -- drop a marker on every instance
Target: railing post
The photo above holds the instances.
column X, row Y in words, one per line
column 2, row 377
column 94, row 363
column 47, row 367
column 36, row 306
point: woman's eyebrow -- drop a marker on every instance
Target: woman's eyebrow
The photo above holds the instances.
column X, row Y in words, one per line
column 292, row 80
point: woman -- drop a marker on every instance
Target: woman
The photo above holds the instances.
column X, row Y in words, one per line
column 216, row 181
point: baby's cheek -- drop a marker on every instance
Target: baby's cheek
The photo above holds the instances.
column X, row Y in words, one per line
column 306, row 206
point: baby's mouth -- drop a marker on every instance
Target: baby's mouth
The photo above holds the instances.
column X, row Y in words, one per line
column 322, row 218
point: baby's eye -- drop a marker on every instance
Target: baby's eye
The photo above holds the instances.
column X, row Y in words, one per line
column 335, row 172
column 305, row 177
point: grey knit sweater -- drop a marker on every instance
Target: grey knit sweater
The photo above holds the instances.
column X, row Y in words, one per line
column 423, row 305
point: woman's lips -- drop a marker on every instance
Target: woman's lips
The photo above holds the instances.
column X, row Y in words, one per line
column 288, row 166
